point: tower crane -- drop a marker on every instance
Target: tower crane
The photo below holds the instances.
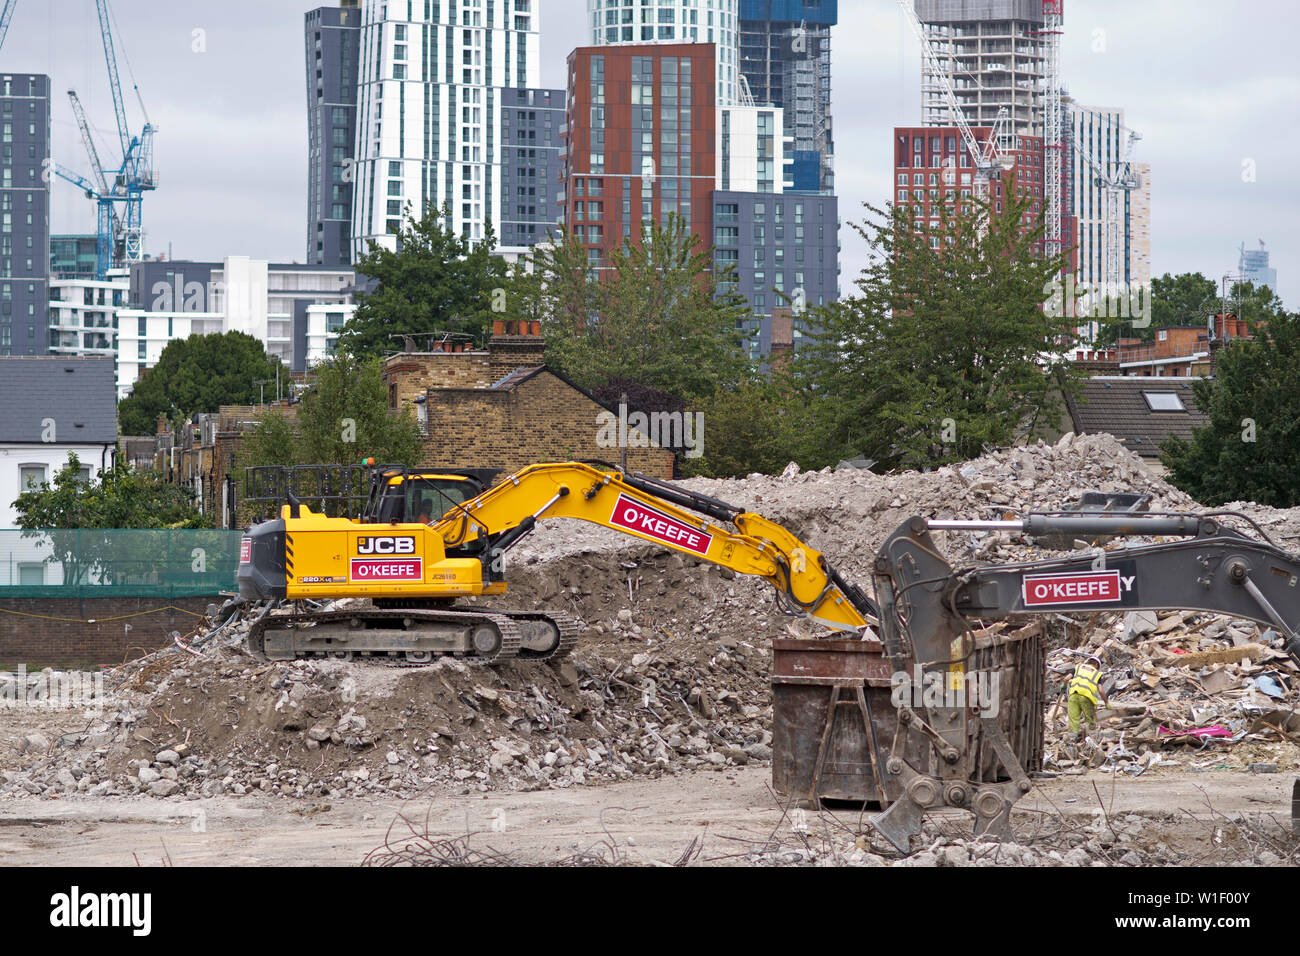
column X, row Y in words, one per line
column 109, row 223
column 119, row 235
column 993, row 156
column 6, row 15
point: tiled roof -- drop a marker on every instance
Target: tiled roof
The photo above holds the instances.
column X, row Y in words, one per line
column 78, row 394
column 1117, row 405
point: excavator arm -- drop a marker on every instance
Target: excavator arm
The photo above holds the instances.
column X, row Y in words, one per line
column 656, row 512
column 929, row 610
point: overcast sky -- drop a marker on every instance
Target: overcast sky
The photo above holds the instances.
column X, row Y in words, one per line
column 1208, row 84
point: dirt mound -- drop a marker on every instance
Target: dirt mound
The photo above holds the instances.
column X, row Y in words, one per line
column 645, row 694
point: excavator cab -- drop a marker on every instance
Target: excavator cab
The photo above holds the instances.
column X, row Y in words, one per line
column 400, row 495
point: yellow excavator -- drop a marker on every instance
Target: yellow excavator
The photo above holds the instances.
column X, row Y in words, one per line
column 426, row 539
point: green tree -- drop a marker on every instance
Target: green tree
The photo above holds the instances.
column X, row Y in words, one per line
column 1255, row 304
column 123, row 497
column 81, row 521
column 199, row 374
column 1190, row 299
column 435, row 281
column 759, row 425
column 1248, row 449
column 940, row 353
column 656, row 316
column 342, row 419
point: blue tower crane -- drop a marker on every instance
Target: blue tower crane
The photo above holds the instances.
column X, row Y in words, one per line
column 120, row 236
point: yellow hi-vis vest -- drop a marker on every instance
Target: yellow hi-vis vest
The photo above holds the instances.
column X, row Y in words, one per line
column 1085, row 681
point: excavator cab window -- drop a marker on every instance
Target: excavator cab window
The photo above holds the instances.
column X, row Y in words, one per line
column 424, row 498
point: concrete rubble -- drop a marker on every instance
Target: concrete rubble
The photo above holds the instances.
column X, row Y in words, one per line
column 672, row 674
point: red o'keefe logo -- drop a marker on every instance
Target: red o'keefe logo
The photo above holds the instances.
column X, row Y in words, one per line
column 650, row 523
column 387, row 569
column 1086, row 587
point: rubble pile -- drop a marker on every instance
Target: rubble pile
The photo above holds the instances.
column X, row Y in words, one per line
column 1186, row 689
column 1084, row 839
column 672, row 673
column 224, row 723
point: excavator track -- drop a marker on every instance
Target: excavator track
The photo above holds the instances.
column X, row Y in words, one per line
column 570, row 630
column 414, row 636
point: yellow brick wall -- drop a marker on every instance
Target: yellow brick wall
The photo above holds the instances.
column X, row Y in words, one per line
column 542, row 419
column 414, row 374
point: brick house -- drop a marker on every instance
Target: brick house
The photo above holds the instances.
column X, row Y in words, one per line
column 504, row 408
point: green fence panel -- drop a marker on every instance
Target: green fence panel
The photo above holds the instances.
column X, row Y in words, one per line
column 86, row 563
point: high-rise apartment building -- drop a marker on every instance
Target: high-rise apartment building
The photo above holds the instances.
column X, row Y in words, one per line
column 932, row 167
column 433, row 76
column 677, row 22
column 1097, row 139
column 642, row 127
column 785, row 249
column 24, row 213
column 785, row 59
column 1253, row 266
column 532, row 133
column 994, row 55
column 332, row 37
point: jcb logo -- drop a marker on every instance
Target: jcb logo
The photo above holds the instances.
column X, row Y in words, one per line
column 385, row 545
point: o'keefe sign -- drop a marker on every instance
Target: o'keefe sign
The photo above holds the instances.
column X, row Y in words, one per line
column 387, row 569
column 1080, row 587
column 646, row 521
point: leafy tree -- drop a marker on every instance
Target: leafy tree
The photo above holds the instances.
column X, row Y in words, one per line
column 654, row 316
column 940, row 353
column 198, row 374
column 80, row 521
column 436, row 281
column 760, row 425
column 1256, row 304
column 1248, row 448
column 123, row 497
column 342, row 419
column 1186, row 299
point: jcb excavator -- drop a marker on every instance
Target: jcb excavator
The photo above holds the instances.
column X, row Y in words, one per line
column 426, row 539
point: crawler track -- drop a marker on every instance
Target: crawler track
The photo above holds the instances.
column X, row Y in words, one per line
column 414, row 636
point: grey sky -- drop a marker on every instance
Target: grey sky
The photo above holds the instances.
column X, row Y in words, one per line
column 1207, row 83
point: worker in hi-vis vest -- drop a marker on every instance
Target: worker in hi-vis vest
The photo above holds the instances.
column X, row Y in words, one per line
column 1085, row 694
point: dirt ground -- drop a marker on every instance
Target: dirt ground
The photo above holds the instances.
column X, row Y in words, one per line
column 727, row 817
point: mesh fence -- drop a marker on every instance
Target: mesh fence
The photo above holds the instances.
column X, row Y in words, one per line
column 117, row 563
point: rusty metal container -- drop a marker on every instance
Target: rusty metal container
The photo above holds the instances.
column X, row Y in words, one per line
column 834, row 722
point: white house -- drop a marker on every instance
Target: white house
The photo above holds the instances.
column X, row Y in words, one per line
column 53, row 405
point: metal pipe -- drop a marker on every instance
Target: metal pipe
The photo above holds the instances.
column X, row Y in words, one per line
column 1012, row 525
column 1079, row 524
column 1253, row 590
column 1084, row 525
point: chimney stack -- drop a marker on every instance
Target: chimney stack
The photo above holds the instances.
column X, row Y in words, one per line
column 515, row 344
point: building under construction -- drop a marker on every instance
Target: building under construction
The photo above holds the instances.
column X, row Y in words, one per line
column 994, row 53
